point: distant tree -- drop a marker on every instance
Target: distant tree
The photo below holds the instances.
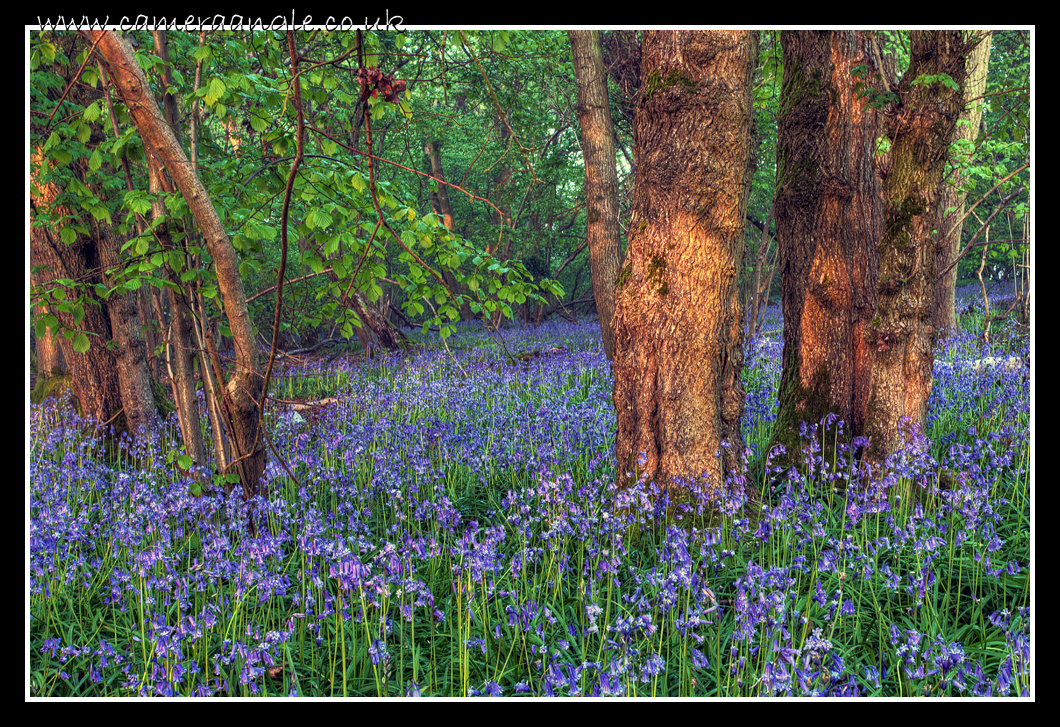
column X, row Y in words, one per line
column 601, row 178
column 678, row 395
column 444, row 209
column 950, row 207
column 183, row 348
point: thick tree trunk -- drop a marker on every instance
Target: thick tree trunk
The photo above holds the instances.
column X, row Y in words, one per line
column 950, row 208
column 678, row 329
column 112, row 377
column 601, row 178
column 94, row 377
column 244, row 388
column 829, row 218
column 130, row 353
column 921, row 130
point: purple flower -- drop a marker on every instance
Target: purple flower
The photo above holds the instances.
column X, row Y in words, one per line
column 652, row 667
column 377, row 651
column 816, row 646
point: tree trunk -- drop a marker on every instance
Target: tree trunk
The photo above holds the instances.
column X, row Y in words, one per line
column 182, row 349
column 374, row 320
column 244, row 388
column 601, row 179
column 93, row 375
column 444, row 208
column 952, row 194
column 678, row 330
column 921, row 130
column 130, row 353
column 50, row 360
column 106, row 382
column 829, row 218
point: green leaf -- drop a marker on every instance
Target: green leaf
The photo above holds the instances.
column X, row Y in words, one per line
column 100, row 212
column 91, row 111
column 80, row 343
column 138, row 202
column 215, row 90
column 498, row 41
column 318, row 218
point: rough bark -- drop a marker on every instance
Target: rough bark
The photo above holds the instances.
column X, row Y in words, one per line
column 111, row 378
column 244, row 387
column 921, row 129
column 130, row 348
column 601, row 178
column 952, row 195
column 181, row 347
column 373, row 319
column 829, row 218
column 678, row 334
column 94, row 377
column 50, row 361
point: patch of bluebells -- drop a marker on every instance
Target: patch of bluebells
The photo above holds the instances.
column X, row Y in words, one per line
column 425, row 499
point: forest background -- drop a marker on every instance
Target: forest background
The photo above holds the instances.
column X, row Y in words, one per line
column 411, row 186
column 475, row 155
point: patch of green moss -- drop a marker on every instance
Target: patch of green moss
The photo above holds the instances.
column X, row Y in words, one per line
column 53, row 386
column 163, row 404
column 674, row 77
column 799, row 90
column 656, row 266
column 898, row 226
